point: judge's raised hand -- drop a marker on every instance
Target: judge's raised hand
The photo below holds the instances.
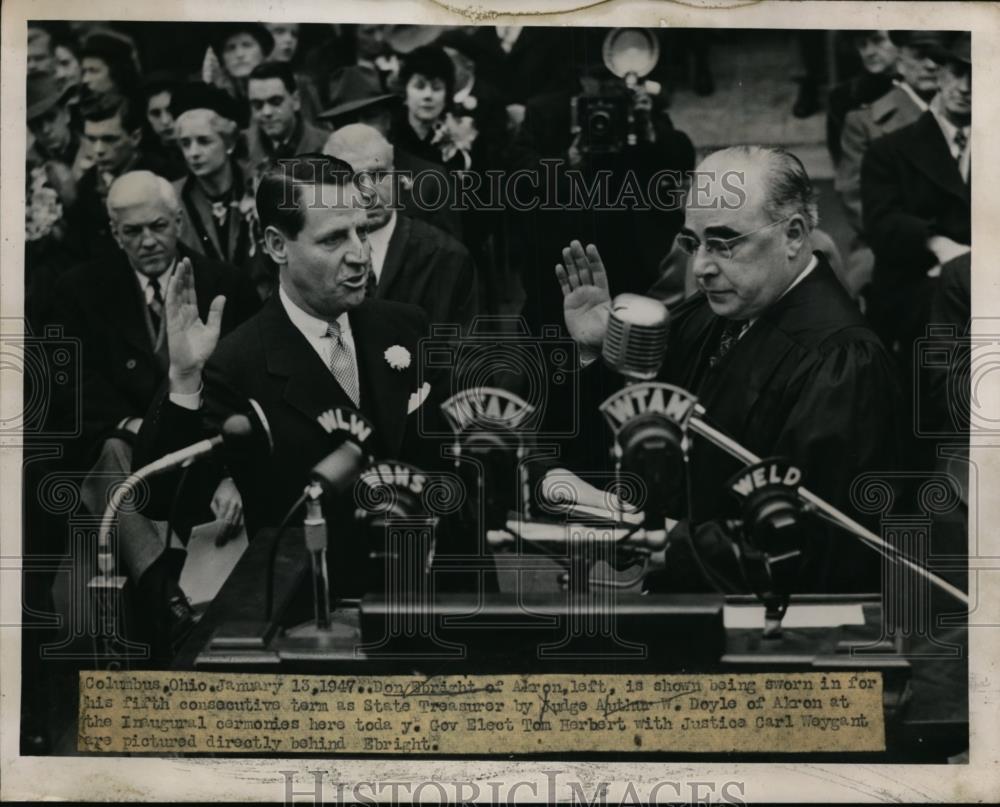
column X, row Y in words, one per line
column 189, row 340
column 586, row 299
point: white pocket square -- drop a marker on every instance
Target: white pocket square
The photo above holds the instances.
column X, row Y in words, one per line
column 417, row 398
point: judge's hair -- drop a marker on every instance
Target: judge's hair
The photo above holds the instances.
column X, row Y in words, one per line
column 789, row 189
column 283, row 184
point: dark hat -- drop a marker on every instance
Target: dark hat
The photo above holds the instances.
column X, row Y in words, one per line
column 355, row 89
column 959, row 49
column 203, row 96
column 224, row 30
column 43, row 94
column 933, row 41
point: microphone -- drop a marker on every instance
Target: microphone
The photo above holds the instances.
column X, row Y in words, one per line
column 334, row 474
column 338, row 469
column 628, row 351
column 240, row 434
column 636, row 339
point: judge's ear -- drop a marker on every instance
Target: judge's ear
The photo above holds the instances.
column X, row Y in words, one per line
column 796, row 237
column 276, row 244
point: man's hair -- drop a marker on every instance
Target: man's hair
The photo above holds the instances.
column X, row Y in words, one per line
column 431, row 62
column 133, row 184
column 103, row 107
column 282, row 70
column 789, row 189
column 36, row 31
column 280, row 189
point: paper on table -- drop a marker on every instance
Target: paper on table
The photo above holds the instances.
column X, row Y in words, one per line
column 207, row 565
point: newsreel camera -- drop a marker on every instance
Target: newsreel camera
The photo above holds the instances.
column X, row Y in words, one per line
column 612, row 114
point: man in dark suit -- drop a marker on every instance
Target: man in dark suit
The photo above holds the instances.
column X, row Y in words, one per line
column 915, row 190
column 413, row 262
column 358, row 102
column 316, row 344
column 775, row 351
column 112, row 128
column 114, row 307
column 278, row 128
column 901, row 105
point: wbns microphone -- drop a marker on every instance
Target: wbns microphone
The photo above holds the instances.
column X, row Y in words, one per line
column 636, row 337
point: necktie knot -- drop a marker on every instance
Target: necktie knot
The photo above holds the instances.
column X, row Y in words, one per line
column 961, row 139
column 333, row 331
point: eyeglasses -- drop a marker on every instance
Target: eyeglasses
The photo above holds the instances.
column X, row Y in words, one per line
column 719, row 246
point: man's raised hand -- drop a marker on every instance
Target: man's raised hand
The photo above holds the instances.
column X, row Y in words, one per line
column 586, row 299
column 189, row 340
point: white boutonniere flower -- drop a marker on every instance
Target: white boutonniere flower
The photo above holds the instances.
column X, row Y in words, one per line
column 469, row 102
column 398, row 357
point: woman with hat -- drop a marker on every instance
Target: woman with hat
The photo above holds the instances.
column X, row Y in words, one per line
column 237, row 48
column 217, row 192
column 108, row 65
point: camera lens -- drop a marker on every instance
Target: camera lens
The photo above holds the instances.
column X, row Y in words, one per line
column 600, row 122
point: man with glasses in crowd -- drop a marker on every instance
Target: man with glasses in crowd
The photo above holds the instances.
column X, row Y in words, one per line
column 774, row 349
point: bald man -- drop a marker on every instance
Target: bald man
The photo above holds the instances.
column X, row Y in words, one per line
column 775, row 350
column 114, row 308
column 412, row 261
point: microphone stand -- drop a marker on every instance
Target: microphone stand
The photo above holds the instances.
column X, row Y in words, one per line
column 316, row 537
column 827, row 511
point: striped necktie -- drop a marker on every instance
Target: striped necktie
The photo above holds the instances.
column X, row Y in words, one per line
column 342, row 363
column 154, row 301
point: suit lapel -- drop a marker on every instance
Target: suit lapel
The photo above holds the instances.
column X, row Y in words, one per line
column 127, row 307
column 930, row 154
column 310, row 387
column 394, row 255
column 385, row 390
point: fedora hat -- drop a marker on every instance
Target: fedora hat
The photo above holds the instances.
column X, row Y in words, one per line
column 43, row 94
column 355, row 89
column 224, row 30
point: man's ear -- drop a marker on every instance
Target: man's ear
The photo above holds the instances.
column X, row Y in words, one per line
column 136, row 137
column 296, row 101
column 276, row 244
column 796, row 235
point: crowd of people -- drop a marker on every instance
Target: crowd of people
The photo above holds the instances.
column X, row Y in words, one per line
column 145, row 176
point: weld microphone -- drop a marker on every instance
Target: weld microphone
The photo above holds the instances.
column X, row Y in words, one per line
column 636, row 337
column 628, row 350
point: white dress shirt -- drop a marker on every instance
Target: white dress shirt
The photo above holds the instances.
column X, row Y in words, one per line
column 146, row 283
column 378, row 240
column 314, row 328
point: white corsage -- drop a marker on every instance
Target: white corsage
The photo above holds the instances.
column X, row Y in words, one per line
column 398, row 357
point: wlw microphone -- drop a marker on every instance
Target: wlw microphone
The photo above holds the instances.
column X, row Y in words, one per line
column 332, row 475
column 636, row 338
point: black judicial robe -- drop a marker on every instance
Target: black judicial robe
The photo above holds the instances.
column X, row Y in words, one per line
column 809, row 381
